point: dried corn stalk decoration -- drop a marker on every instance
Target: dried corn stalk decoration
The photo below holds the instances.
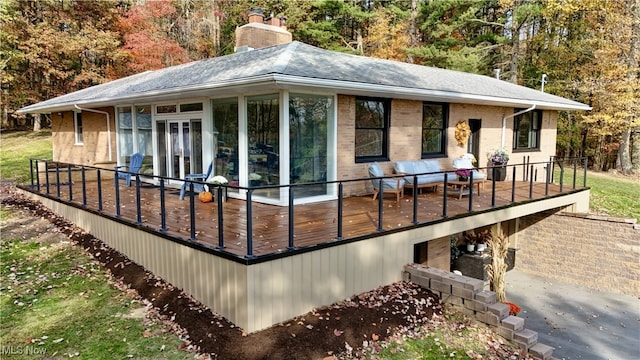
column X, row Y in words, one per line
column 497, row 268
column 463, row 131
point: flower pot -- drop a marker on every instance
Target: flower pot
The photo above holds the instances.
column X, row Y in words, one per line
column 463, row 178
column 498, row 172
column 481, row 247
column 471, row 247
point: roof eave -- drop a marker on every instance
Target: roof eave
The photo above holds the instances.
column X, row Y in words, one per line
column 354, row 88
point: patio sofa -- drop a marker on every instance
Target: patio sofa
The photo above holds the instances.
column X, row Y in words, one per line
column 425, row 168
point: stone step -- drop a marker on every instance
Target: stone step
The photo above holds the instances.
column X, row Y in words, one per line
column 541, row 351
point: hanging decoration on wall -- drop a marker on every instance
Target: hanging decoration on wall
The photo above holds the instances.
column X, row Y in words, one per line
column 463, row 131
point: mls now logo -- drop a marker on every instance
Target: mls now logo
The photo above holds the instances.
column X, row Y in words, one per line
column 22, row 350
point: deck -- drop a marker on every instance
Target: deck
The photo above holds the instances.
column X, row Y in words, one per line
column 271, row 229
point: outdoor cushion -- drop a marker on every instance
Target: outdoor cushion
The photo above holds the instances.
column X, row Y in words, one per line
column 430, row 170
column 466, row 163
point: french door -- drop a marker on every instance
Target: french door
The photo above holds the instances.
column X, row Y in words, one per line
column 182, row 146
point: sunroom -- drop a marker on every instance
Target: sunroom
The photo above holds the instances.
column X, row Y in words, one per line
column 244, row 138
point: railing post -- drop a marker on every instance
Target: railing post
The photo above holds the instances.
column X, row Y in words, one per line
column 531, row 183
column 291, row 219
column 415, row 199
column 470, row 191
column 70, row 182
column 585, row 173
column 220, row 218
column 31, row 171
column 38, row 175
column 575, row 171
column 380, row 204
column 546, row 180
column 46, row 175
column 340, row 205
column 138, row 205
column 192, row 213
column 493, row 188
column 58, row 179
column 84, row 186
column 249, row 225
column 117, row 196
column 98, row 176
column 163, row 209
column 561, row 177
column 513, row 185
column 444, row 196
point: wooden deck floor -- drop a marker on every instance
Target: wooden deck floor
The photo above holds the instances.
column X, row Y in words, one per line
column 313, row 223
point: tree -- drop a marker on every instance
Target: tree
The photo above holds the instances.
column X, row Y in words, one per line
column 460, row 35
column 144, row 29
column 387, row 36
column 50, row 48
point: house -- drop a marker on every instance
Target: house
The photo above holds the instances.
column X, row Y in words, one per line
column 290, row 114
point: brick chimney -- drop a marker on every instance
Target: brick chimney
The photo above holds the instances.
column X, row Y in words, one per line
column 260, row 33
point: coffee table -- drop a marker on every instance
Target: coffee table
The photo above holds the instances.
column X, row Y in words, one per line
column 462, row 187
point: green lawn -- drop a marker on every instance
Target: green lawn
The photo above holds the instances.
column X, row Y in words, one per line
column 56, row 302
column 610, row 195
column 16, row 148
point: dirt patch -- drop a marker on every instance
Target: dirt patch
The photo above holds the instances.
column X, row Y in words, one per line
column 339, row 328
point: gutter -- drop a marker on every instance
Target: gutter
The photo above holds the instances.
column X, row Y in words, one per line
column 504, row 122
column 108, row 125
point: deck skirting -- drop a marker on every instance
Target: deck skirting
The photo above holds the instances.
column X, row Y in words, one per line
column 259, row 295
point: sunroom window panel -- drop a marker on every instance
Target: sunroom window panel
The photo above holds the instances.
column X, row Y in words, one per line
column 225, row 121
column 263, row 130
column 125, row 133
column 309, row 117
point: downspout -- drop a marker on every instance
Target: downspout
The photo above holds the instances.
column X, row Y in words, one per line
column 504, row 122
column 108, row 126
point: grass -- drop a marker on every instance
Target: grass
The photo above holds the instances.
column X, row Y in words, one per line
column 58, row 303
column 610, row 195
column 454, row 337
column 16, row 148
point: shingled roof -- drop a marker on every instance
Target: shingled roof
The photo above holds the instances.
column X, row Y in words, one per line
column 300, row 66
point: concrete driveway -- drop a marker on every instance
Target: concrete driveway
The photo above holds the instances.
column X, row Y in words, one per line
column 579, row 323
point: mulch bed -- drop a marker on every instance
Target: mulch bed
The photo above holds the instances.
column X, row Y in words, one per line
column 346, row 327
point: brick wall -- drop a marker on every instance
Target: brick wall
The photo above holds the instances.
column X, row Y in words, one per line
column 95, row 147
column 592, row 251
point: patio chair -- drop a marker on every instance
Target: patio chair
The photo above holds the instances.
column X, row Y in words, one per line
column 196, row 186
column 127, row 171
column 466, row 162
column 395, row 186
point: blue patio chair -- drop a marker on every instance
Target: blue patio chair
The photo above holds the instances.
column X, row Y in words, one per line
column 395, row 185
column 127, row 171
column 195, row 177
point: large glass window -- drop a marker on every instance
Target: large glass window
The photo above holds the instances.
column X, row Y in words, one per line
column 144, row 138
column 309, row 117
column 263, row 135
column 125, row 133
column 77, row 128
column 225, row 137
column 372, row 129
column 526, row 130
column 434, row 129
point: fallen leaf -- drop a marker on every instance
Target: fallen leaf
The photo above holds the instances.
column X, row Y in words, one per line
column 337, row 332
column 375, row 336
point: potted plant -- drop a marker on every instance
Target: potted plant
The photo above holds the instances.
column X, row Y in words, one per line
column 218, row 181
column 498, row 160
column 463, row 174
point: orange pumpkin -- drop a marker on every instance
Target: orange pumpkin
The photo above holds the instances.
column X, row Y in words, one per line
column 205, row 197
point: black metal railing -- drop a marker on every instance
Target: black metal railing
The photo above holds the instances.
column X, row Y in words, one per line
column 555, row 169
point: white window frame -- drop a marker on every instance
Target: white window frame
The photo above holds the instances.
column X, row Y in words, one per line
column 77, row 128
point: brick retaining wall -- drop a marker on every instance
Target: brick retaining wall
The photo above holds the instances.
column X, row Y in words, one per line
column 591, row 251
column 468, row 296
